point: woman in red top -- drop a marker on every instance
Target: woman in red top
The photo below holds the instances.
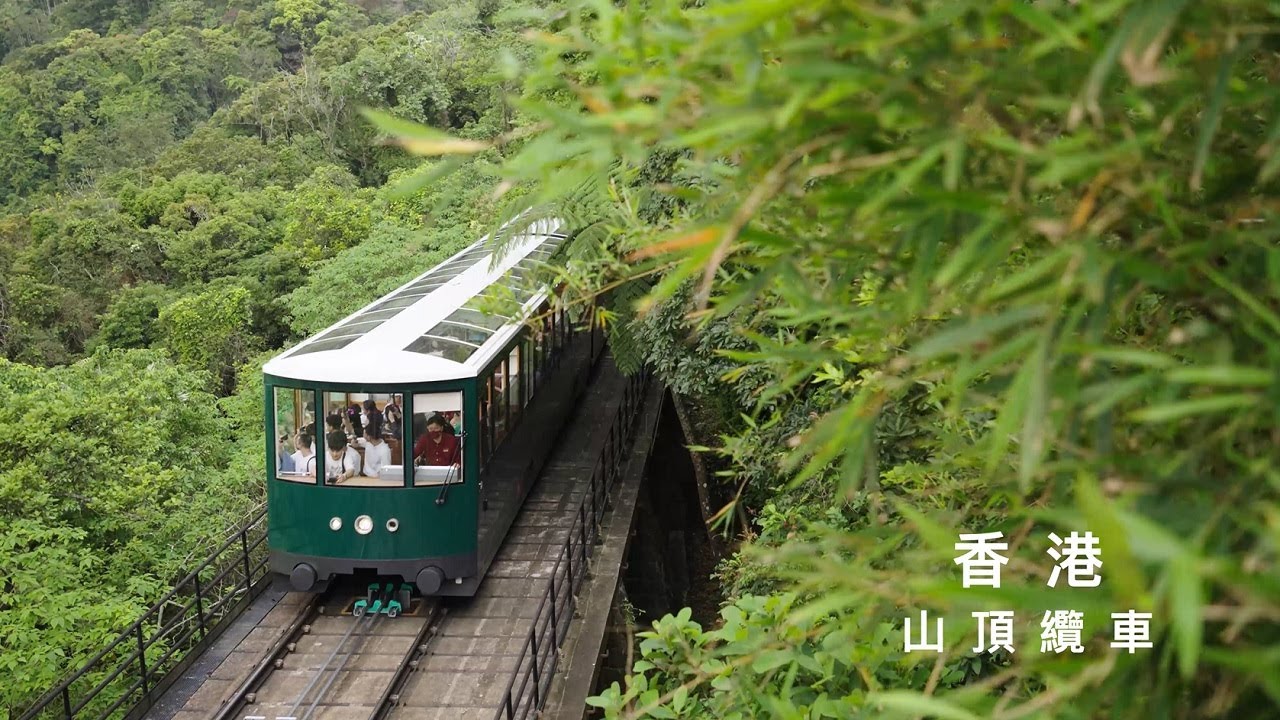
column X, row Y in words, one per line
column 437, row 447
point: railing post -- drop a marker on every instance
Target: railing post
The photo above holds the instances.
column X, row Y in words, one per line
column 142, row 659
column 568, row 556
column 244, row 547
column 66, row 701
column 593, row 497
column 533, row 665
column 200, row 608
column 511, row 713
column 582, row 533
column 555, row 622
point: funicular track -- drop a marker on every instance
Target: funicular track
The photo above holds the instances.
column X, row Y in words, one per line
column 327, row 664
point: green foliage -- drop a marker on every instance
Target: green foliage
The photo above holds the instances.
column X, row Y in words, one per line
column 327, row 215
column 209, row 331
column 275, row 182
column 180, row 179
column 768, row 657
column 973, row 266
column 131, row 321
column 310, row 21
column 113, row 474
column 399, row 248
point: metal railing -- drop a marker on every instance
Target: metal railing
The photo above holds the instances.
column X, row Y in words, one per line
column 540, row 654
column 132, row 669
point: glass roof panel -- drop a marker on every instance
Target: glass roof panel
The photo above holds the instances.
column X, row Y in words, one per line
column 440, row 347
column 350, row 330
column 452, row 337
column 380, row 314
column 458, row 331
column 427, row 287
column 400, row 301
column 449, row 272
column 322, row 345
column 475, row 317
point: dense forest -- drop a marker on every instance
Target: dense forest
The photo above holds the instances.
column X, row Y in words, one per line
column 185, row 188
column 919, row 269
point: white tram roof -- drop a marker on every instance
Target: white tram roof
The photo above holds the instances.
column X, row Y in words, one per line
column 427, row 329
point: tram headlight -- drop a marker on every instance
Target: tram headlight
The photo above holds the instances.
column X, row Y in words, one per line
column 393, row 525
column 364, row 524
column 335, row 523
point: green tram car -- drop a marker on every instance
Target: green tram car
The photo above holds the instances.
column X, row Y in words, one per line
column 504, row 385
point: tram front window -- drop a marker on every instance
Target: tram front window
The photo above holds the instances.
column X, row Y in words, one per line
column 355, row 423
column 437, row 438
column 293, row 420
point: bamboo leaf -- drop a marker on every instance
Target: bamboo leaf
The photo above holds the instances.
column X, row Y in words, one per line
column 1166, row 412
column 1011, row 415
column 941, row 539
column 905, row 178
column 915, row 704
column 1056, row 33
column 1032, row 444
column 1222, row 375
column 1122, row 570
column 1211, row 117
column 1131, row 356
column 1186, row 601
column 1239, row 293
column 1037, row 273
column 959, row 336
column 420, row 139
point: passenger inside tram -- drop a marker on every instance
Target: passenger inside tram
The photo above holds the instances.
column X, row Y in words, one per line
column 304, row 459
column 372, row 416
column 343, row 461
column 284, row 455
column 437, row 446
column 353, row 419
column 392, row 413
column 377, row 453
column 333, row 423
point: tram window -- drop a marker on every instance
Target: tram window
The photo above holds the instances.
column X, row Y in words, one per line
column 349, row 413
column 531, row 378
column 293, row 421
column 500, row 419
column 514, row 387
column 483, row 424
column 552, row 345
column 548, row 341
column 487, row 391
column 438, row 440
column 530, row 365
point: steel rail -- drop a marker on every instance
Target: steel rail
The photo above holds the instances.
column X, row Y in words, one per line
column 369, row 620
column 283, row 646
column 391, row 695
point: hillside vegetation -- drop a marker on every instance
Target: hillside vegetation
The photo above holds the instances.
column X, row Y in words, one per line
column 186, row 187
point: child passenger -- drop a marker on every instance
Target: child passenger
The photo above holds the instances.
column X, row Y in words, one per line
column 343, row 461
